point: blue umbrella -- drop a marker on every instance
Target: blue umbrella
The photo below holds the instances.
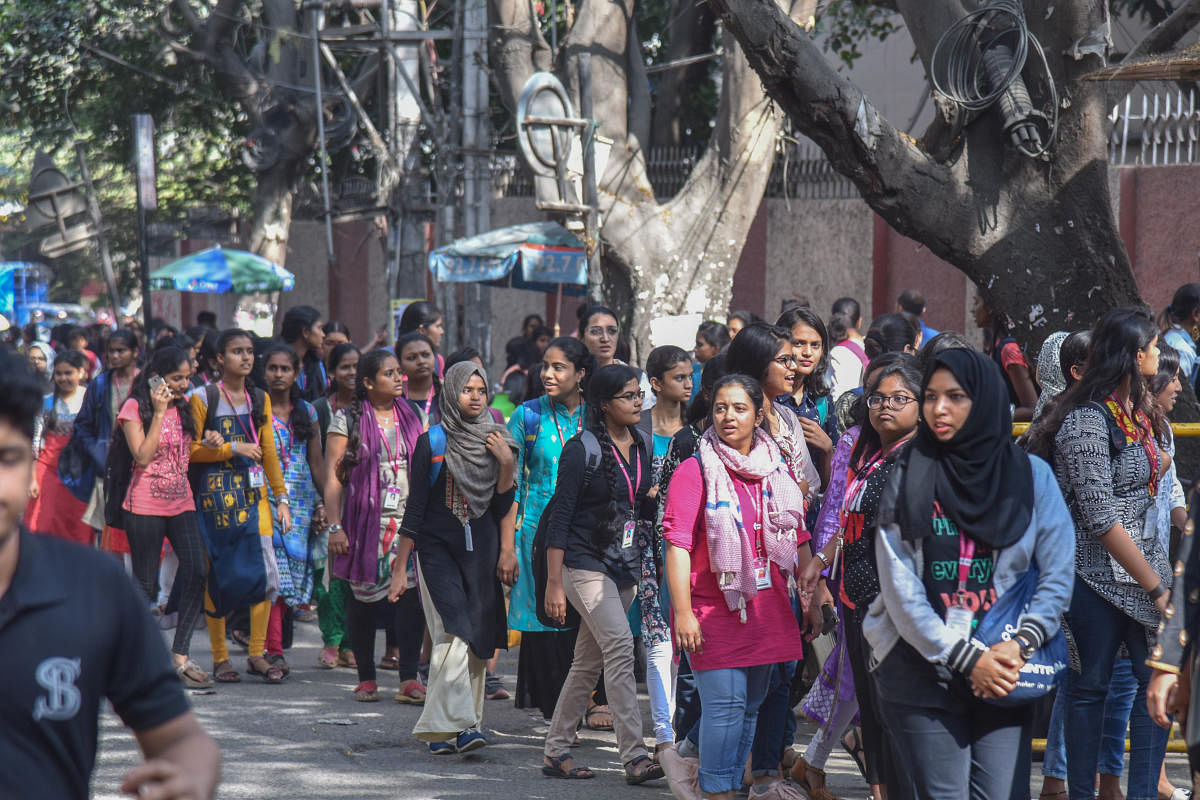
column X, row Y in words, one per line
column 220, row 270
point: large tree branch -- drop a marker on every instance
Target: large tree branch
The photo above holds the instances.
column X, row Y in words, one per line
column 888, row 166
column 1167, row 33
column 516, row 47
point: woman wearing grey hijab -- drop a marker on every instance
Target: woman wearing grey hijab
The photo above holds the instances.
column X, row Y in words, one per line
column 1049, row 371
column 459, row 505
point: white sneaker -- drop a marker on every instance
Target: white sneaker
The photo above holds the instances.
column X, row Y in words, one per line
column 779, row 790
column 683, row 774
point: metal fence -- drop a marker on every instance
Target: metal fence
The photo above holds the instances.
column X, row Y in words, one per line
column 1154, row 130
column 800, row 171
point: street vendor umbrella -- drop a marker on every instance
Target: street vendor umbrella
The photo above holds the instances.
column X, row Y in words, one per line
column 541, row 256
column 220, row 270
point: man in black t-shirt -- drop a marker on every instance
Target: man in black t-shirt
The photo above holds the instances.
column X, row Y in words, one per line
column 74, row 630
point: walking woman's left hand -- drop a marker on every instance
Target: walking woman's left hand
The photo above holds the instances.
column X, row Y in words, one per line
column 507, row 568
column 398, row 585
column 498, row 446
column 285, row 517
column 1161, row 695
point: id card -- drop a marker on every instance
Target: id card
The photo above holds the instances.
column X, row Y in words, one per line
column 470, row 541
column 762, row 574
column 258, row 478
column 391, row 499
column 960, row 621
column 628, row 532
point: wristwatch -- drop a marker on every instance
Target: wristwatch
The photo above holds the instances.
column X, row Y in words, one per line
column 332, row 529
column 1027, row 647
column 285, row 499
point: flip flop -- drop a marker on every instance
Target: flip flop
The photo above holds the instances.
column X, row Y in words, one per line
column 192, row 676
column 225, row 673
column 555, row 769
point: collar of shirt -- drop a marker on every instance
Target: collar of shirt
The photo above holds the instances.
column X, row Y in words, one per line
column 35, row 582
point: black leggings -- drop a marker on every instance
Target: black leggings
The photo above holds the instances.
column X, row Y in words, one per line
column 145, row 534
column 406, row 620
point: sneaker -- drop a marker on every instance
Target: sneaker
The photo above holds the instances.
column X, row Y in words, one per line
column 442, row 748
column 493, row 687
column 470, row 739
column 683, row 774
column 779, row 790
column 411, row 692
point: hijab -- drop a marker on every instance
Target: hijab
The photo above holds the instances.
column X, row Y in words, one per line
column 980, row 478
column 474, row 469
column 1049, row 370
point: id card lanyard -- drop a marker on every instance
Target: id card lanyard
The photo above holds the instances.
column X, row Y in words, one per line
column 256, row 473
column 391, row 494
column 854, row 485
column 762, row 566
column 630, row 524
column 959, row 616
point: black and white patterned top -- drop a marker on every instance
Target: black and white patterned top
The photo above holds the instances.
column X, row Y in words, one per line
column 1105, row 483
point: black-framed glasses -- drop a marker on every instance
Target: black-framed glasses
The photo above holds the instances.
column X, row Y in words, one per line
column 786, row 361
column 598, row 331
column 895, row 402
column 629, row 397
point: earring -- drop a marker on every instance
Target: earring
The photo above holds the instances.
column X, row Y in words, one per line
column 1195, row 332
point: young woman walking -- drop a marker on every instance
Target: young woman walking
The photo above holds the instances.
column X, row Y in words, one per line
column 301, row 329
column 418, row 363
column 594, row 563
column 810, row 399
column 965, row 515
column 330, row 593
column 53, row 509
column 234, row 448
column 541, row 428
column 297, row 440
column 158, row 428
column 455, row 518
column 368, row 451
column 601, row 334
column 1179, row 324
column 733, row 523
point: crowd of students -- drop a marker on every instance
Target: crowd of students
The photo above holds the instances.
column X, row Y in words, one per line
column 806, row 490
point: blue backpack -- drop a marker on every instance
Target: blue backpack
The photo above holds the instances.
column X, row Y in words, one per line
column 437, row 438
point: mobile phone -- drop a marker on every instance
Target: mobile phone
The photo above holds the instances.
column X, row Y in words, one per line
column 155, row 382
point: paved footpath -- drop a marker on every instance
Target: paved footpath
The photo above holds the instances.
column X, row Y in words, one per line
column 307, row 739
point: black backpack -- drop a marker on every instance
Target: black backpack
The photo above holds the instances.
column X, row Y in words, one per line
column 118, row 472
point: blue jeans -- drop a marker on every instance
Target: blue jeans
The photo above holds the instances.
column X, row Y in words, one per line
column 729, row 699
column 1119, row 709
column 1099, row 628
column 771, row 734
column 687, row 703
column 1117, row 712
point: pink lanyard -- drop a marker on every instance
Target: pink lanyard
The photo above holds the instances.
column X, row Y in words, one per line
column 383, row 435
column 428, row 404
column 253, row 434
column 284, row 448
column 632, row 486
column 578, row 426
column 966, row 555
column 759, row 530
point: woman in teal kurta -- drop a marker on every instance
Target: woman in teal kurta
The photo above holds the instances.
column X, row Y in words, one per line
column 546, row 653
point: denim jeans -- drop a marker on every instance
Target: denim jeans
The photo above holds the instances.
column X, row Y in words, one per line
column 687, row 703
column 1119, row 709
column 1054, row 762
column 771, row 728
column 1099, row 628
column 730, row 699
column 660, row 687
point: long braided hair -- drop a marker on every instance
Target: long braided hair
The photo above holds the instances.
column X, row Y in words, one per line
column 368, row 367
column 602, row 388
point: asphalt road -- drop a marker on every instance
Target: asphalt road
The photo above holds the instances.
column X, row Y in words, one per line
column 307, row 738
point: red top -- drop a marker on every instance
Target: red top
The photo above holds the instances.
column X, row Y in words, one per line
column 1011, row 354
column 770, row 634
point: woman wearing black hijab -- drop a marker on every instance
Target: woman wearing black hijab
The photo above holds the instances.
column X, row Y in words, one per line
column 964, row 494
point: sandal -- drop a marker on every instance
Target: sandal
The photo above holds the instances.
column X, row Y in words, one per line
column 366, row 692
column 649, row 771
column 241, row 637
column 853, row 744
column 225, row 673
column 328, row 658
column 261, row 666
column 800, row 772
column 192, row 676
column 598, row 718
column 411, row 692
column 346, row 659
column 389, row 662
column 278, row 660
column 554, row 768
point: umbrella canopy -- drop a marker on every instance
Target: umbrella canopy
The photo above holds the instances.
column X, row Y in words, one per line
column 539, row 256
column 220, row 270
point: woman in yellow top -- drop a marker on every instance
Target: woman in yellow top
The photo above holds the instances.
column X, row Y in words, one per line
column 233, row 459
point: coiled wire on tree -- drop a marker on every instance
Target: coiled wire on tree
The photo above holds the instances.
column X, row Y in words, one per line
column 979, row 61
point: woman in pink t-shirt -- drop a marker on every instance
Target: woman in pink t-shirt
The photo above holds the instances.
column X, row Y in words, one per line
column 734, row 526
column 159, row 501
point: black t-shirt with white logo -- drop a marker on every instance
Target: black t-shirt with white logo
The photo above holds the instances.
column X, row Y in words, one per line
column 73, row 630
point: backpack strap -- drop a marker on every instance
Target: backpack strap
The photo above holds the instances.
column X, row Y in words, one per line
column 531, row 411
column 212, row 399
column 591, row 456
column 437, row 451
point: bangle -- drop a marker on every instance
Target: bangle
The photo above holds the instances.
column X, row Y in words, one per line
column 824, row 559
column 284, row 499
column 1158, row 591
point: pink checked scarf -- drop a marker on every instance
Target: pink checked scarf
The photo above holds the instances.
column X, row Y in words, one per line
column 731, row 549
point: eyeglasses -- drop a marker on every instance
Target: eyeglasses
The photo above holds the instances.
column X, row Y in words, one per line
column 786, row 361
column 598, row 331
column 629, row 397
column 895, row 402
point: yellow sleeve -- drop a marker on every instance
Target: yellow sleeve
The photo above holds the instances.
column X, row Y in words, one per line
column 201, row 454
column 271, row 464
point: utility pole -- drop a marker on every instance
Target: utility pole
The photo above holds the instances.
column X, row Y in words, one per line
column 101, row 243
